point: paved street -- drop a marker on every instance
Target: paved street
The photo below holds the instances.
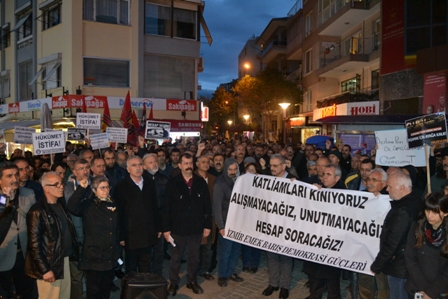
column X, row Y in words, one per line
column 252, row 286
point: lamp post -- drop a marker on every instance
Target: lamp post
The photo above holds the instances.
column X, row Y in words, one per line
column 229, row 122
column 284, row 107
column 246, row 68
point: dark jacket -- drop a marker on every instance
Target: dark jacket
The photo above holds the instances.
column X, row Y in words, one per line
column 184, row 212
column 36, row 187
column 116, row 172
column 353, row 181
column 45, row 250
column 390, row 258
column 221, row 194
column 427, row 268
column 100, row 250
column 139, row 217
column 160, row 181
column 321, row 271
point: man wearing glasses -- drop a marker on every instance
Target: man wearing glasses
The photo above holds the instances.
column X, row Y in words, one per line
column 81, row 171
column 15, row 202
column 52, row 241
column 279, row 266
column 24, row 177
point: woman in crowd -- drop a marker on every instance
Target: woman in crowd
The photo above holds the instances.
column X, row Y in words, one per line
column 426, row 253
column 100, row 251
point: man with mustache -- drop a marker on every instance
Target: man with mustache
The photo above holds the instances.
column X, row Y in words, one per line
column 13, row 233
column 139, row 218
column 187, row 218
column 218, row 165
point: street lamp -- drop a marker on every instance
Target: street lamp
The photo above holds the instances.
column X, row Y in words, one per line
column 284, row 107
column 229, row 122
column 246, row 117
column 246, row 68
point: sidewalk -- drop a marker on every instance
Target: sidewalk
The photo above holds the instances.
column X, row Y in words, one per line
column 252, row 286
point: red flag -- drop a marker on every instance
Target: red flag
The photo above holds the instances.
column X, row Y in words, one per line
column 151, row 116
column 107, row 121
column 126, row 113
column 84, row 106
column 141, row 130
column 135, row 121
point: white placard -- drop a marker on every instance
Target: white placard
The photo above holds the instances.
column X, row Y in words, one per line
column 119, row 135
column 23, row 135
column 52, row 130
column 48, row 142
column 339, row 228
column 88, row 120
column 98, row 141
column 393, row 149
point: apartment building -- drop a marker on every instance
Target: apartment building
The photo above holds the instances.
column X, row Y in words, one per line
column 100, row 47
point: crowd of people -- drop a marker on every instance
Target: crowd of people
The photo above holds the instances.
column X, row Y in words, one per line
column 74, row 217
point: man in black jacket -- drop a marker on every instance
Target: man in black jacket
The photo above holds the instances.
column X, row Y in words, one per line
column 319, row 274
column 152, row 172
column 138, row 216
column 51, row 241
column 405, row 207
column 187, row 218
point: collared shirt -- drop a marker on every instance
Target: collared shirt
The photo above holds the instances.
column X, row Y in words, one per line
column 140, row 184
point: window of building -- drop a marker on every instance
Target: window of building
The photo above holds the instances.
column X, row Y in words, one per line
column 6, row 38
column 52, row 16
column 375, row 79
column 24, row 26
column 307, row 101
column 308, row 24
column 169, row 77
column 106, row 72
column 376, row 34
column 308, row 62
column 426, row 25
column 25, row 75
column 5, row 87
column 351, row 85
column 49, row 73
column 157, row 19
column 107, row 11
column 184, row 23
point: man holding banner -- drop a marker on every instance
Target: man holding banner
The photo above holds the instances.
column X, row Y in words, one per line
column 319, row 274
column 405, row 208
column 279, row 265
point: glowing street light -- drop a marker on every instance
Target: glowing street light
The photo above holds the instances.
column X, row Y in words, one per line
column 284, row 107
column 229, row 122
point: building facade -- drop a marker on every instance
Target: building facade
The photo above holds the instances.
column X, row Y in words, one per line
column 101, row 47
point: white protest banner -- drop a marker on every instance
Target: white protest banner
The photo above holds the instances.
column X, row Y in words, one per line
column 393, row 149
column 98, row 141
column 157, row 129
column 23, row 135
column 88, row 120
column 52, row 130
column 77, row 134
column 48, row 142
column 338, row 228
column 119, row 135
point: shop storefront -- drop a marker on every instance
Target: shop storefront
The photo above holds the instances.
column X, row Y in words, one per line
column 302, row 127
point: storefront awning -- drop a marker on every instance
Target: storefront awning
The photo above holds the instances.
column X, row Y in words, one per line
column 366, row 119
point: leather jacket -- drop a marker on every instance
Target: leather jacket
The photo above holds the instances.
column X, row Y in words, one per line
column 45, row 249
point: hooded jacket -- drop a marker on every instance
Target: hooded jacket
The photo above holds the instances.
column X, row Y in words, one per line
column 221, row 194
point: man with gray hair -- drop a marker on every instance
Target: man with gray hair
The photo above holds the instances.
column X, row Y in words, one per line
column 405, row 207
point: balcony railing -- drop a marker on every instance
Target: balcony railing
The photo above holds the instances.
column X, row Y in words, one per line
column 350, row 46
column 298, row 6
column 366, row 95
column 272, row 44
column 334, row 7
column 25, row 42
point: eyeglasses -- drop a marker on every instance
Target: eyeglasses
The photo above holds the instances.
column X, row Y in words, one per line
column 276, row 165
column 57, row 185
column 102, row 188
column 374, row 180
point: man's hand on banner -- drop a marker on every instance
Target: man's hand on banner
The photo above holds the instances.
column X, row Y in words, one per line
column 318, row 186
column 222, row 232
column 206, row 233
column 167, row 235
